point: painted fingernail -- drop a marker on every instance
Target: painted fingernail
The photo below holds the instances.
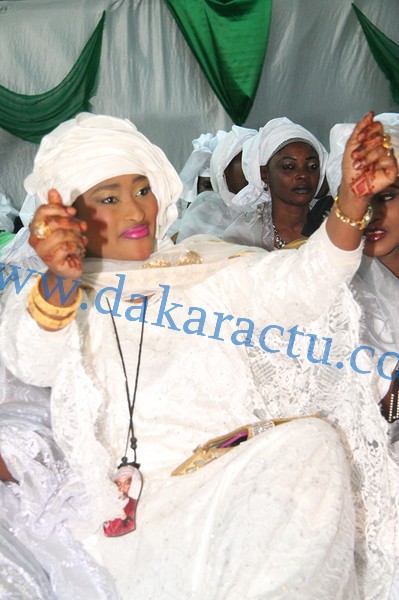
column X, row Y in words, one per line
column 359, row 164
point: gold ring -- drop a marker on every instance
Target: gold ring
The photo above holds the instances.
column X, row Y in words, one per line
column 386, row 141
column 41, row 230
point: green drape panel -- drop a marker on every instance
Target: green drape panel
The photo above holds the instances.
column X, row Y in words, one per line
column 384, row 50
column 5, row 238
column 229, row 40
column 31, row 117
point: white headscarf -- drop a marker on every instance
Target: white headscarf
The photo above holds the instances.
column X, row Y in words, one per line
column 271, row 138
column 88, row 149
column 339, row 135
column 83, row 152
column 197, row 164
column 226, row 150
column 7, row 214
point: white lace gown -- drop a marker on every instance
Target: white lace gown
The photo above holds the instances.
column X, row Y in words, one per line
column 376, row 290
column 281, row 516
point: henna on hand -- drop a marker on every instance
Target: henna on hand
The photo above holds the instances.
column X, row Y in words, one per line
column 363, row 185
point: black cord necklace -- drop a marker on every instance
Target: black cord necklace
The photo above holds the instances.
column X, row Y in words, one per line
column 130, row 403
column 128, row 477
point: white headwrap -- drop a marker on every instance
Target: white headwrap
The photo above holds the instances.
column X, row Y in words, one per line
column 7, row 214
column 339, row 135
column 136, row 480
column 88, row 149
column 226, row 150
column 197, row 164
column 271, row 138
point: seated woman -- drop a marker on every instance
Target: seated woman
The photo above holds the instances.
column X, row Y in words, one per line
column 195, row 175
column 283, row 168
column 285, row 163
column 7, row 216
column 214, row 210
column 377, row 280
column 376, row 284
column 146, row 360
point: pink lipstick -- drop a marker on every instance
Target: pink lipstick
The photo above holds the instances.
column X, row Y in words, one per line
column 136, row 233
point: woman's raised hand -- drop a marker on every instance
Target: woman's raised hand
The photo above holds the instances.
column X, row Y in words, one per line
column 368, row 164
column 58, row 237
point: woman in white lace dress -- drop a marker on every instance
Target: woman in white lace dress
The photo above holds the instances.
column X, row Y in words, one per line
column 376, row 284
column 152, row 356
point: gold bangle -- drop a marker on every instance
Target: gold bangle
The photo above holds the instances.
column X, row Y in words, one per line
column 361, row 224
column 50, row 309
column 48, row 322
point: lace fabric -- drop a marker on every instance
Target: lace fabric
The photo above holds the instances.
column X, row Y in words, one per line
column 348, row 401
column 39, row 557
column 204, row 387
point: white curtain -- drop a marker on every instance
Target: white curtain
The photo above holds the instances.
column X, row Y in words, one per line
column 318, row 69
column 147, row 72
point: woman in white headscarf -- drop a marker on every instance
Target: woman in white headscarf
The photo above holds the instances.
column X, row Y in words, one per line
column 377, row 280
column 147, row 359
column 212, row 212
column 283, row 162
column 285, row 167
column 195, row 174
column 376, row 284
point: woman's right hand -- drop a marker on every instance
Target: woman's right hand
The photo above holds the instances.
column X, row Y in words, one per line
column 58, row 237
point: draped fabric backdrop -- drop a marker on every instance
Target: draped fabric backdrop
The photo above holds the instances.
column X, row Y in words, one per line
column 319, row 68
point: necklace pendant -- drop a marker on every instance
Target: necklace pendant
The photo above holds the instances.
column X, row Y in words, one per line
column 129, row 481
column 278, row 240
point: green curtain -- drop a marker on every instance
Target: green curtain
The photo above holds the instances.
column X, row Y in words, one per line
column 229, row 40
column 5, row 238
column 384, row 50
column 31, row 117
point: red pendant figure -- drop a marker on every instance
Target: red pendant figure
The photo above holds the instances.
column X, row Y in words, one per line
column 129, row 481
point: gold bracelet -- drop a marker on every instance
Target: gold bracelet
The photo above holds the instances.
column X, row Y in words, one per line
column 50, row 309
column 361, row 224
column 48, row 322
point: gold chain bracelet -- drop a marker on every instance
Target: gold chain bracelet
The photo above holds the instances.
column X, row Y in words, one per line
column 361, row 224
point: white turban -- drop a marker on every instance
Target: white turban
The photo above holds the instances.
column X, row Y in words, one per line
column 197, row 164
column 7, row 214
column 136, row 479
column 89, row 149
column 271, row 138
column 225, row 151
column 340, row 134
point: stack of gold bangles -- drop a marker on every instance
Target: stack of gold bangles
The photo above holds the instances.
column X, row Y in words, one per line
column 361, row 224
column 47, row 315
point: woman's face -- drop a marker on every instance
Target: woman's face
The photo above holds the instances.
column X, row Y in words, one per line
column 204, row 184
column 293, row 174
column 121, row 217
column 382, row 233
column 234, row 175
